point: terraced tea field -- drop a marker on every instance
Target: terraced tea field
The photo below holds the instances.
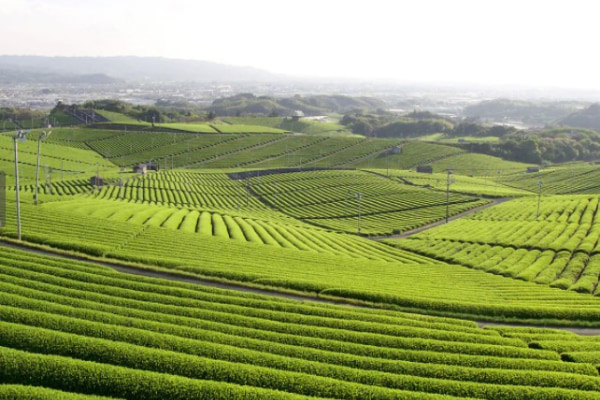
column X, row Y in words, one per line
column 252, row 227
column 211, row 190
column 268, row 212
column 78, row 137
column 248, row 149
column 154, row 339
column 576, row 179
column 477, row 186
column 334, row 199
column 479, row 165
column 386, row 206
column 559, row 247
column 411, row 281
column 60, row 159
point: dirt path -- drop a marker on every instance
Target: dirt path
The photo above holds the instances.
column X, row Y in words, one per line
column 232, row 286
column 114, row 264
column 411, row 232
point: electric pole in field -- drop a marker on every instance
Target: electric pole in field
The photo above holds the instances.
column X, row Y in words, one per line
column 41, row 136
column 358, row 196
column 448, row 182
column 19, row 136
column 540, row 184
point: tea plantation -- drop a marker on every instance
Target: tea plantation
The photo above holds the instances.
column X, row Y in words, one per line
column 340, row 299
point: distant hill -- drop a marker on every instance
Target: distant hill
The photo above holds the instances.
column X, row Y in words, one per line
column 249, row 104
column 8, row 76
column 537, row 113
column 588, row 118
column 134, row 68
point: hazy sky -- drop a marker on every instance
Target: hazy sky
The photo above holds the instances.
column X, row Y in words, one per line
column 550, row 43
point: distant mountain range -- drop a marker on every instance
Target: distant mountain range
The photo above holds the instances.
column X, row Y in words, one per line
column 41, row 69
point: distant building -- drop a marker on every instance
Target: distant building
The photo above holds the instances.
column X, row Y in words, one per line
column 296, row 115
column 395, row 150
column 533, row 169
column 97, row 181
column 140, row 169
column 425, row 169
column 152, row 166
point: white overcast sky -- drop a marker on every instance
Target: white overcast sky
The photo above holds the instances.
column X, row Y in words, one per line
column 531, row 42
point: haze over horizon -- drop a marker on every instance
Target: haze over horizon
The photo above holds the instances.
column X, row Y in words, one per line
column 530, row 43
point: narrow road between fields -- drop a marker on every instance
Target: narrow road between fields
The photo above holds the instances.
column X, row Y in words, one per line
column 174, row 276
column 411, row 232
column 114, row 264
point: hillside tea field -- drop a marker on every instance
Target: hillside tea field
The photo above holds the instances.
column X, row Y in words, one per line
column 559, row 247
column 75, row 327
column 326, row 217
column 326, row 264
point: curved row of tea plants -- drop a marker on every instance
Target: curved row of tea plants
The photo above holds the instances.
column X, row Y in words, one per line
column 188, row 149
column 479, row 165
column 135, row 142
column 576, row 178
column 334, row 200
column 77, row 137
column 478, row 186
column 61, row 159
column 321, row 198
column 277, row 154
column 184, row 189
column 261, row 229
column 559, row 247
column 381, row 274
column 75, row 327
column 286, row 154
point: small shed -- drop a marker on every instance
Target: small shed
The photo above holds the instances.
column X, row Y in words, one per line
column 396, row 150
column 140, row 168
column 97, row 181
column 425, row 169
column 152, row 166
column 533, row 169
column 296, row 115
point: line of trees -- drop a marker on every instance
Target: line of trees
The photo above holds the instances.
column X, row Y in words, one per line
column 162, row 111
column 553, row 145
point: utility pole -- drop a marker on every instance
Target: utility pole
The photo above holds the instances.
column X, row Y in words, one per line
column 247, row 193
column 19, row 136
column 387, row 163
column 2, row 199
column 540, row 184
column 358, row 196
column 41, row 136
column 448, row 182
column 48, row 170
